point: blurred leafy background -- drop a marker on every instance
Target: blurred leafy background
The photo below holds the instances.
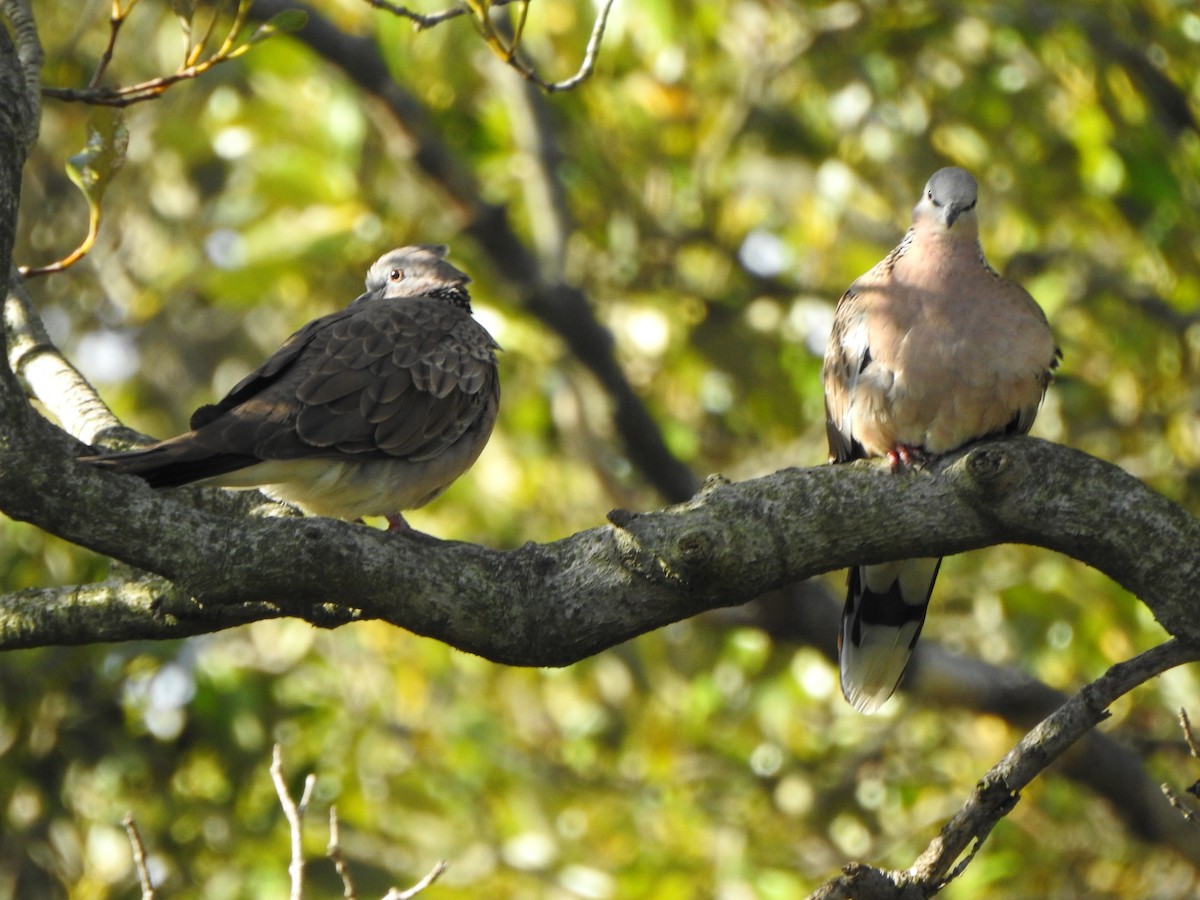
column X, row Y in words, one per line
column 730, row 168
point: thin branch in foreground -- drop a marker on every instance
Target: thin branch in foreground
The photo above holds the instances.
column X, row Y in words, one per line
column 334, row 852
column 1189, row 814
column 434, row 874
column 1189, row 737
column 115, row 20
column 293, row 812
column 998, row 791
column 139, row 856
column 1185, row 724
column 192, row 65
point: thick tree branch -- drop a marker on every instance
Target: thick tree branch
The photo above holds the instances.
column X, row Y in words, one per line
column 556, row 603
column 29, row 54
column 119, row 609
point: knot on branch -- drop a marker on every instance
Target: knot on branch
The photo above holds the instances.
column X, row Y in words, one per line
column 995, row 795
column 993, row 469
column 863, row 882
column 663, row 549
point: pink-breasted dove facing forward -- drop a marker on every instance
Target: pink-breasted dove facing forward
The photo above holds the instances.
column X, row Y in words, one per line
column 370, row 410
column 930, row 350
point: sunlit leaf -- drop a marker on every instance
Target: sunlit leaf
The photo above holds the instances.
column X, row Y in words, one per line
column 288, row 20
column 93, row 167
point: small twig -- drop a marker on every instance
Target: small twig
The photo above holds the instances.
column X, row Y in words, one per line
column 1189, row 737
column 136, row 93
column 116, row 20
column 139, row 856
column 434, row 874
column 421, row 21
column 1189, row 814
column 507, row 50
column 1186, row 725
column 293, row 813
column 590, row 54
column 998, row 791
column 334, row 852
column 192, row 66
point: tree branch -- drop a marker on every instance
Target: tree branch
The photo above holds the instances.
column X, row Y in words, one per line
column 52, row 379
column 422, row 21
column 139, row 856
column 939, row 679
column 30, row 55
column 999, row 790
column 553, row 604
column 506, row 48
column 294, row 813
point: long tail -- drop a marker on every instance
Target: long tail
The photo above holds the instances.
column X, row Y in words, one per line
column 885, row 609
column 170, row 463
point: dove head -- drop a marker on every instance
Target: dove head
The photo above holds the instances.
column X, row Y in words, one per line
column 949, row 196
column 415, row 271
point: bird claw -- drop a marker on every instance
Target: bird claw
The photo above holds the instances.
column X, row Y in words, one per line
column 397, row 523
column 902, row 457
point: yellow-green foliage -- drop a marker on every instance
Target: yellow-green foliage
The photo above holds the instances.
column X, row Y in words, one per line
column 695, row 762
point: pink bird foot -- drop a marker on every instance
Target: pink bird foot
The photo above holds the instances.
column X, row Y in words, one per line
column 397, row 523
column 902, row 457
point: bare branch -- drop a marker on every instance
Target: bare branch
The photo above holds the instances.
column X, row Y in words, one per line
column 421, row 22
column 115, row 20
column 434, row 874
column 999, row 790
column 139, row 856
column 293, row 813
column 588, row 65
column 731, row 543
column 191, row 67
column 1189, row 815
column 120, row 609
column 1185, row 724
column 507, row 49
column 57, row 384
column 334, row 852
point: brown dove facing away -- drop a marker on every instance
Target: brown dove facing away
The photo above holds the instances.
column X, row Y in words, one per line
column 930, row 350
column 370, row 410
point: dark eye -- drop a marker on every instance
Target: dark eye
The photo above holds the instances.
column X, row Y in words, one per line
column 396, row 275
column 929, row 194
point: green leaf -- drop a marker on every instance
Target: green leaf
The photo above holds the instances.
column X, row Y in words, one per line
column 102, row 156
column 288, row 20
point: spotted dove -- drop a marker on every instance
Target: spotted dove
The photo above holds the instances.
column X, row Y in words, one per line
column 370, row 410
column 930, row 350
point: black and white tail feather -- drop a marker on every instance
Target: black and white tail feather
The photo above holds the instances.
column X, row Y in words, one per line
column 885, row 610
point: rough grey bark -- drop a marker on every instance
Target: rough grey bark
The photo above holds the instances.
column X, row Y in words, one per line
column 552, row 604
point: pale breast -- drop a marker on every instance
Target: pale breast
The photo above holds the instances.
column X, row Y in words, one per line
column 947, row 368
